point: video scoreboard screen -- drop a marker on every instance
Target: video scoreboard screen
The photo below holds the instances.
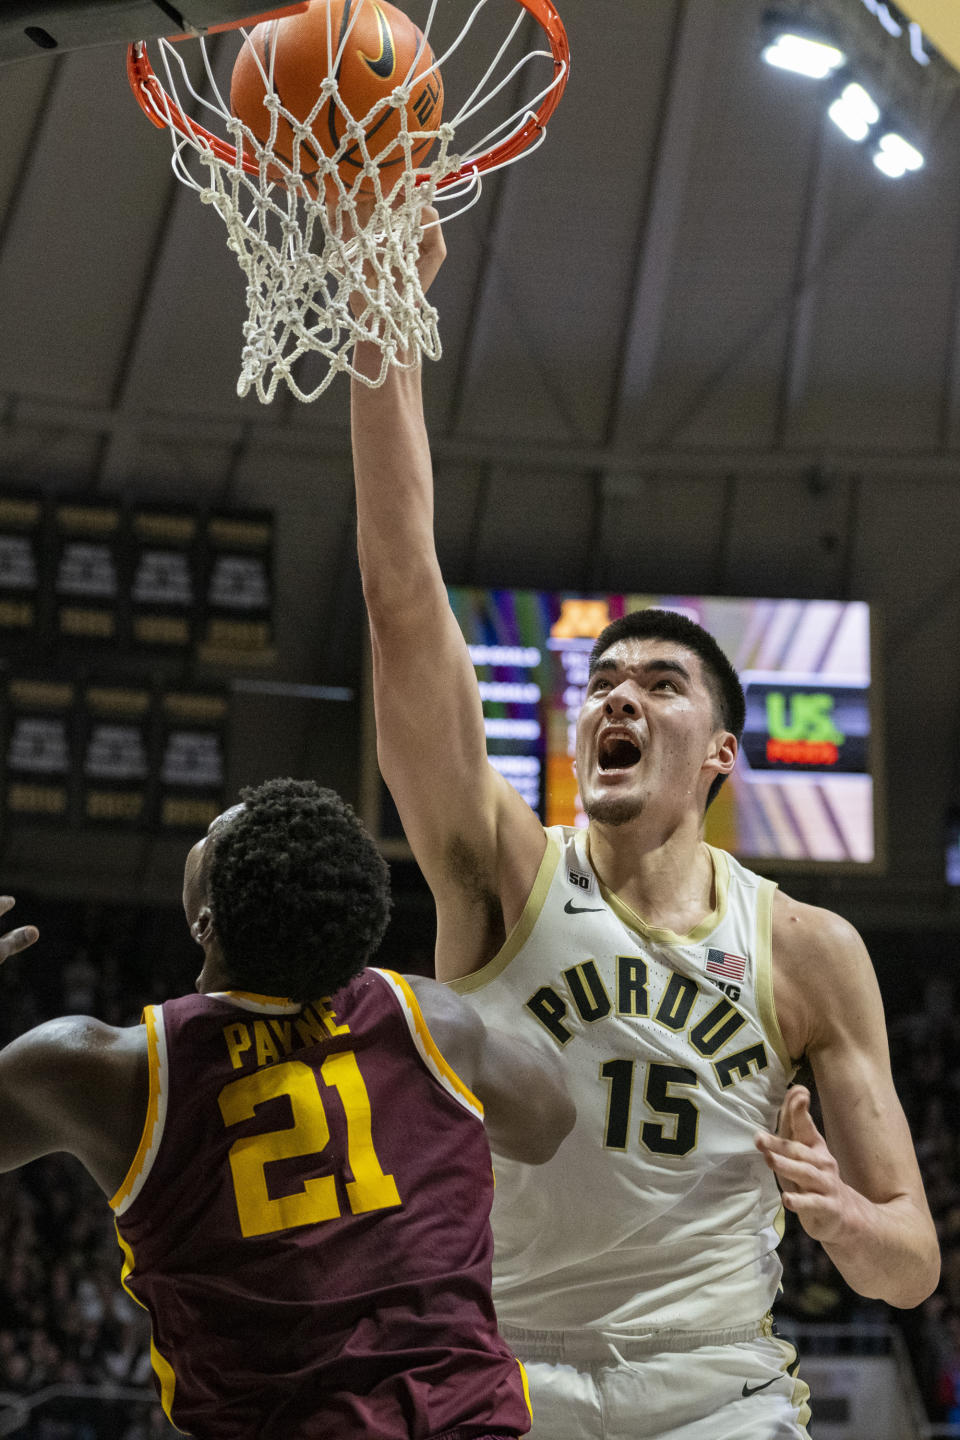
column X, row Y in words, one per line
column 804, row 787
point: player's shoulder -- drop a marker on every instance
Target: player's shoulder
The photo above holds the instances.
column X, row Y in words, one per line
column 518, row 827
column 818, row 957
column 822, row 972
column 81, row 1035
column 73, row 1062
column 74, row 1049
column 811, row 932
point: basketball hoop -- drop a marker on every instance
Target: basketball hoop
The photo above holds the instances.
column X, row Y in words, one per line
column 328, row 235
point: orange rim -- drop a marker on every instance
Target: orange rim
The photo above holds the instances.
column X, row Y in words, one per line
column 157, row 105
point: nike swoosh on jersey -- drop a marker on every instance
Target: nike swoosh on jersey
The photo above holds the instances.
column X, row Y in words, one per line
column 382, row 65
column 749, row 1390
column 571, row 909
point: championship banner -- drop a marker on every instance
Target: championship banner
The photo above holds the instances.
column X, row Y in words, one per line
column 40, row 745
column 87, row 582
column 164, row 586
column 238, row 620
column 192, row 758
column 21, row 547
column 115, row 765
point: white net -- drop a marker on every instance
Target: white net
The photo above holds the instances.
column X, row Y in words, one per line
column 331, row 261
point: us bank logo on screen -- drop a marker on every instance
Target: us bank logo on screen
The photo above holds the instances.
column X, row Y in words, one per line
column 799, row 724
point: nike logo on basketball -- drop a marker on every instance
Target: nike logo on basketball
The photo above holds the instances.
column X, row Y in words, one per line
column 749, row 1390
column 382, row 65
column 571, row 909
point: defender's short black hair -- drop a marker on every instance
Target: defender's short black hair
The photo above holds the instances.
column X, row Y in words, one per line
column 719, row 674
column 300, row 894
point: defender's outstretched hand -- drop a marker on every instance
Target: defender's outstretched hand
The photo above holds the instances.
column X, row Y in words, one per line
column 808, row 1174
column 15, row 940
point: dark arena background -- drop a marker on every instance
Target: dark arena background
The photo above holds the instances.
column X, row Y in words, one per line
column 702, row 349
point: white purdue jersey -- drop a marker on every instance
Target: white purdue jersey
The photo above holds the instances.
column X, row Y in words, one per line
column 657, row 1212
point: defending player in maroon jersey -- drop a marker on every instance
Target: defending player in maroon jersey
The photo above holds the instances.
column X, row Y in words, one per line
column 259, row 1248
column 302, row 1185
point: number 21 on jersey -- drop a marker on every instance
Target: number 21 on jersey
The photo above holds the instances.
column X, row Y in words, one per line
column 370, row 1188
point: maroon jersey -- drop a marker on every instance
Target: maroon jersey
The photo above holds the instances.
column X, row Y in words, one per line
column 307, row 1222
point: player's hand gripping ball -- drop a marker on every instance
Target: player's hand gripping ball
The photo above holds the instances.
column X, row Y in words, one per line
column 379, row 49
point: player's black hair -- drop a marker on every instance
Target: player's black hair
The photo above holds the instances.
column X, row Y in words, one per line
column 722, row 679
column 300, row 894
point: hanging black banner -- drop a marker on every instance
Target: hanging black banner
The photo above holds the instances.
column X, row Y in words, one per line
column 165, row 584
column 40, row 749
column 192, row 758
column 238, row 616
column 116, row 761
column 21, row 554
column 88, row 583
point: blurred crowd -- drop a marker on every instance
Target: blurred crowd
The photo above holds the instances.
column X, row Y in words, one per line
column 64, row 1318
column 66, row 1321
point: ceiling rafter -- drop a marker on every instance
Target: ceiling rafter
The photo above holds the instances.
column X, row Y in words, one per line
column 677, row 134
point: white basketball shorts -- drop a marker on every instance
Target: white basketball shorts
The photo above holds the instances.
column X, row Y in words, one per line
column 585, row 1385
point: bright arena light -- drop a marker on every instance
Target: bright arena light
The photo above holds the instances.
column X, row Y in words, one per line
column 813, row 58
column 854, row 112
column 895, row 156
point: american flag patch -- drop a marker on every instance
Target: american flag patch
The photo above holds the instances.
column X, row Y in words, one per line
column 727, row 966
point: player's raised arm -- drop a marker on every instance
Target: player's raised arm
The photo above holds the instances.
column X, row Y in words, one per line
column 528, row 1110
column 478, row 844
column 857, row 1189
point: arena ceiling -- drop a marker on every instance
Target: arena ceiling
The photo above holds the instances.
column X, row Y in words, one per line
column 696, row 343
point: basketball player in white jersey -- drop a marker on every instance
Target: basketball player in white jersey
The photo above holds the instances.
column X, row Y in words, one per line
column 635, row 1273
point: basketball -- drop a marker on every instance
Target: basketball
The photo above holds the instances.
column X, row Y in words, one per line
column 379, row 49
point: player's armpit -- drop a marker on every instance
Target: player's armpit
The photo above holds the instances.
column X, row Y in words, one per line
column 857, row 1188
column 528, row 1110
column 75, row 1085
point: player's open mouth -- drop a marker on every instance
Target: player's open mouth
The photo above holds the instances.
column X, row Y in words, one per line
column 617, row 752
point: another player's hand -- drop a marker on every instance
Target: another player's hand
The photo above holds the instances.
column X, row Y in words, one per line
column 15, row 940
column 808, row 1174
